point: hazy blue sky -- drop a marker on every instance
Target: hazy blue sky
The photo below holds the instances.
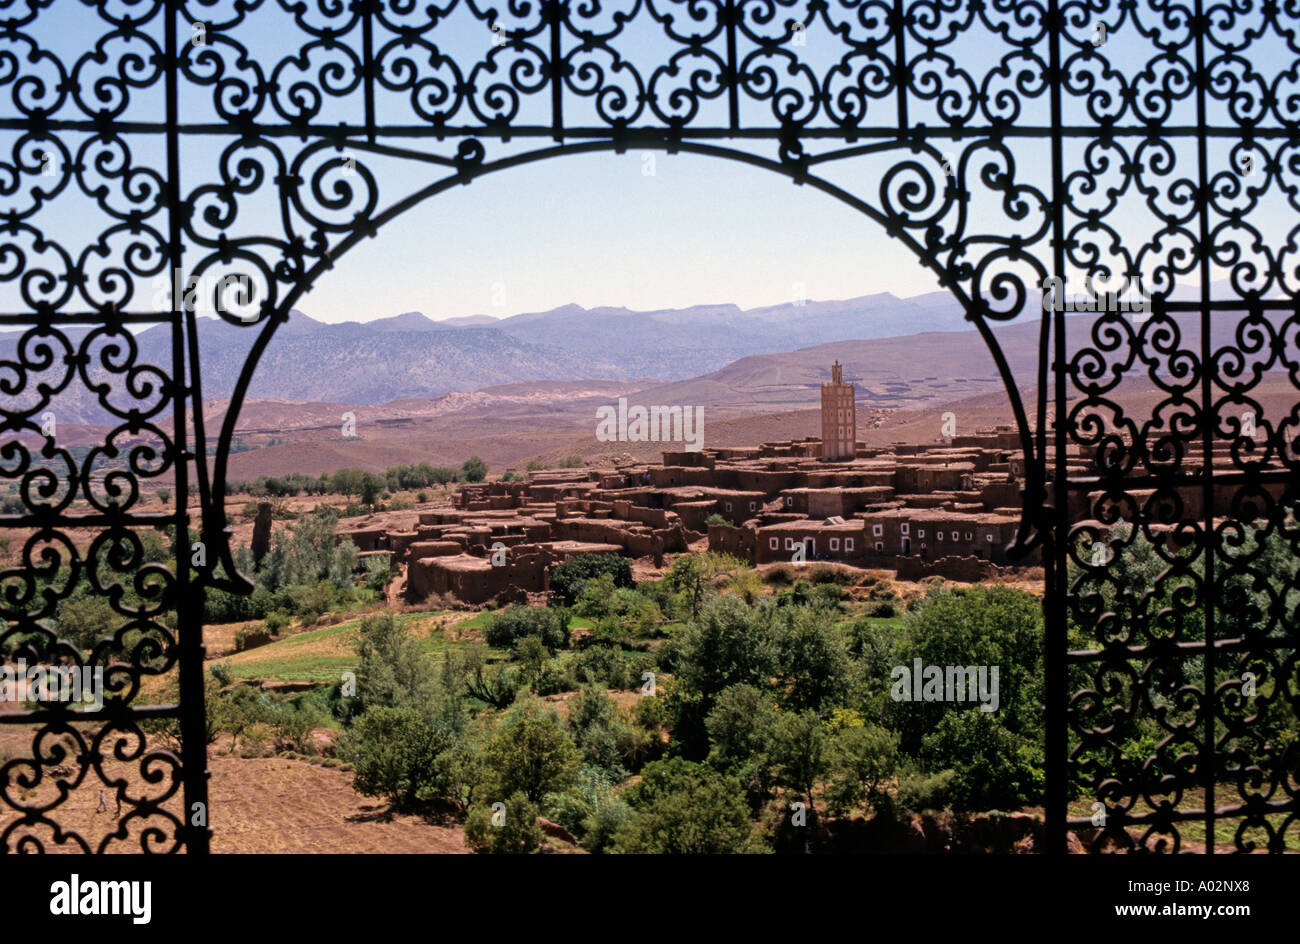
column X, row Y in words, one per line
column 593, row 229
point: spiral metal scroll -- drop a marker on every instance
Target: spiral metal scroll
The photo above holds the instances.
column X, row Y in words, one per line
column 1033, row 155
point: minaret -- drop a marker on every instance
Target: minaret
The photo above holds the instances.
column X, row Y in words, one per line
column 839, row 417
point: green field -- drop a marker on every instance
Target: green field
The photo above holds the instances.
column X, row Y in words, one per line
column 322, row 655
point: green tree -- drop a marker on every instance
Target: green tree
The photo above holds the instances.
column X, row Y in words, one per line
column 568, row 580
column 403, row 756
column 813, row 659
column 532, row 655
column 730, row 644
column 474, row 469
column 371, row 486
column 510, row 829
column 682, row 808
column 991, row 626
column 393, row 670
column 740, row 726
column 687, row 577
column 530, row 752
column 996, row 755
column 506, row 628
column 347, row 481
column 86, row 620
column 800, row 754
column 863, row 759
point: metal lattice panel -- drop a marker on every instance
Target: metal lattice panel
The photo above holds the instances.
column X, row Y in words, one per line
column 1147, row 147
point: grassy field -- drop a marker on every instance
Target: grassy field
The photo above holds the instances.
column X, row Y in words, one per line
column 322, row 655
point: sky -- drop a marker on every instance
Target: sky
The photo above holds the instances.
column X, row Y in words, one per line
column 596, row 230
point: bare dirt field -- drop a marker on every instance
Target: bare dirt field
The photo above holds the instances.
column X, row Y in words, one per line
column 259, row 804
column 272, row 805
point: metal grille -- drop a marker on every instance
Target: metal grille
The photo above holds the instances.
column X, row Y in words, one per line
column 1142, row 149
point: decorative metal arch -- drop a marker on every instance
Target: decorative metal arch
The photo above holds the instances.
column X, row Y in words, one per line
column 1019, row 149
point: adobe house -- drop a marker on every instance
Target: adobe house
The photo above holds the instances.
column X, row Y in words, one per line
column 933, row 533
column 821, row 540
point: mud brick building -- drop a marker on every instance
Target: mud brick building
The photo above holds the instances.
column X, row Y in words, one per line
column 839, row 417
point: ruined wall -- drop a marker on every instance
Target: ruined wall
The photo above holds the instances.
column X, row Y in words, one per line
column 475, row 580
column 693, row 515
column 965, row 569
column 738, row 542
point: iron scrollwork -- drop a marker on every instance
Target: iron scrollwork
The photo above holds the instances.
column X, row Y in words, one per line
column 1011, row 146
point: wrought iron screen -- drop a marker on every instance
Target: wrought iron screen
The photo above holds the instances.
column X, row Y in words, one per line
column 1039, row 157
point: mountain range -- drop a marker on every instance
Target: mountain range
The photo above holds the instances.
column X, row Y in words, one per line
column 413, row 356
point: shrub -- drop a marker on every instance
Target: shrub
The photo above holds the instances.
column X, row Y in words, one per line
column 292, row 727
column 826, row 573
column 379, row 573
column 592, row 812
column 222, row 607
column 312, row 601
column 508, row 627
column 572, row 462
column 920, row 793
column 683, row 808
column 255, row 739
column 598, row 664
column 716, row 518
column 532, row 655
column 568, row 579
column 86, row 620
column 513, row 831
column 422, row 496
column 276, row 621
column 603, row 825
column 554, row 678
column 781, row 575
column 474, row 469
column 529, row 752
column 250, row 637
column 164, row 495
column 402, row 756
column 605, row 737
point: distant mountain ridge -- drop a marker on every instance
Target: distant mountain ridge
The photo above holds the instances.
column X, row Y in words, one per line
column 410, row 355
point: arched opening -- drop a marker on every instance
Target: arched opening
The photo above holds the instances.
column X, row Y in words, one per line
column 448, row 550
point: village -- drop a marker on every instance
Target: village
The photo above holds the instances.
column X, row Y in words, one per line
column 949, row 508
